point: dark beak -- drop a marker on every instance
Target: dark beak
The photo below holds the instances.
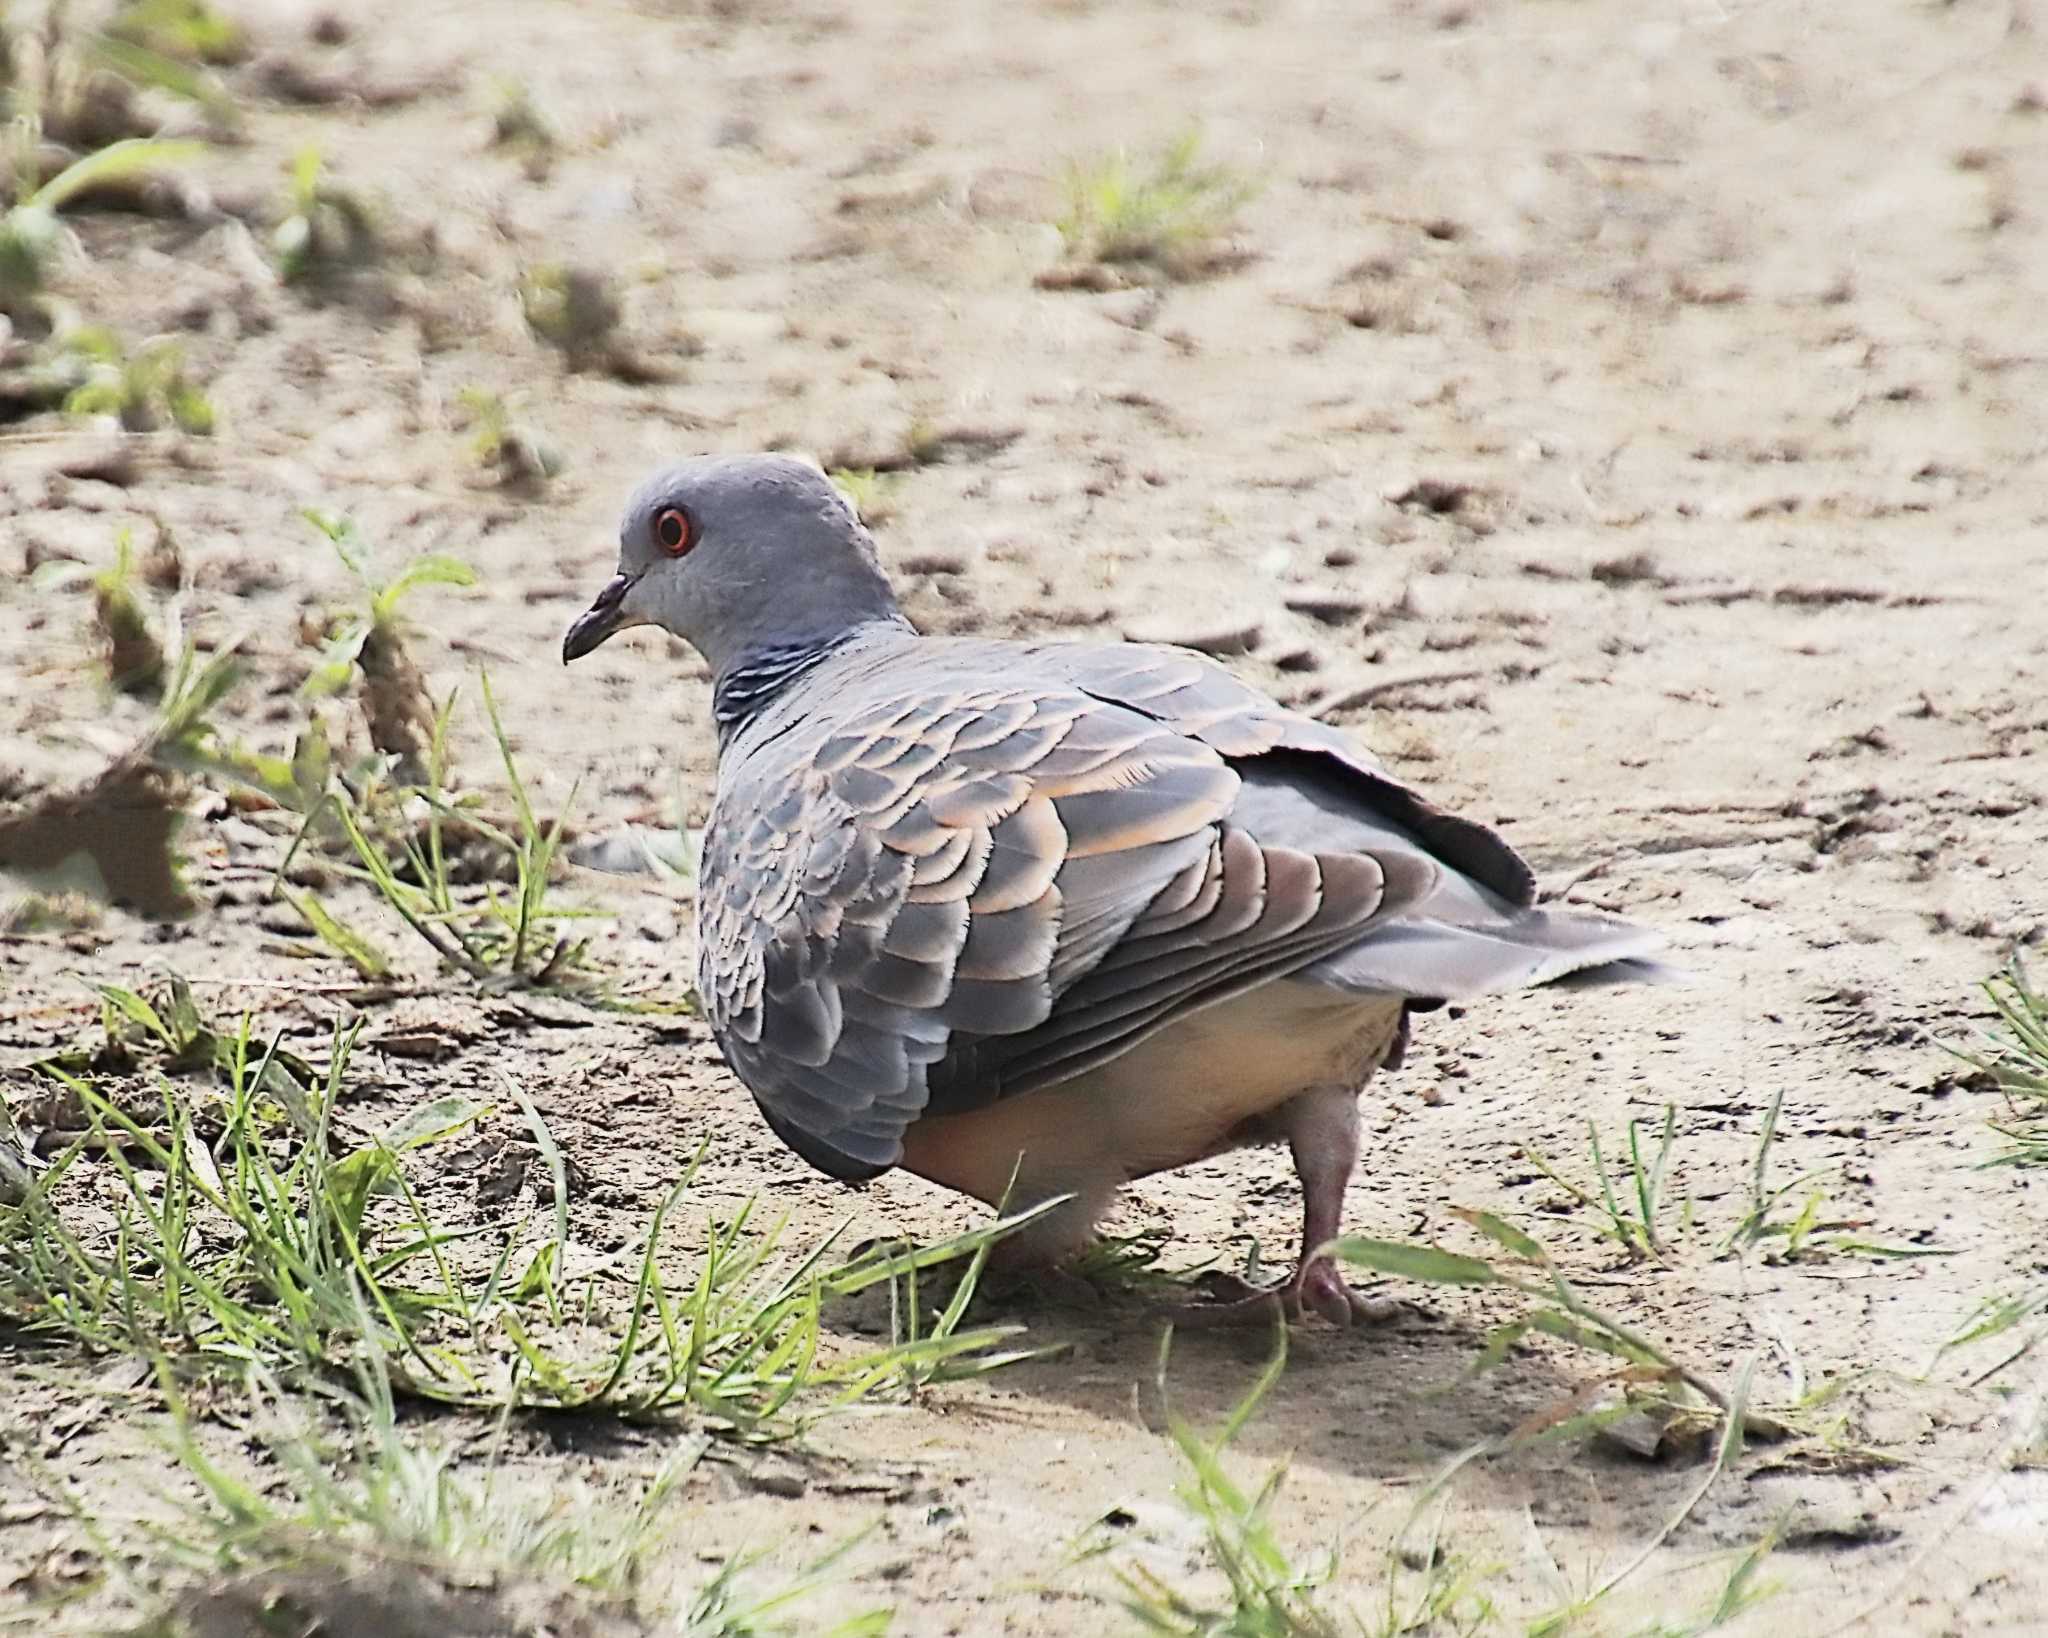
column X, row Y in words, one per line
column 597, row 622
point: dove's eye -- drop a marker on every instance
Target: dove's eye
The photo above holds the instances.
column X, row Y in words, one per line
column 672, row 530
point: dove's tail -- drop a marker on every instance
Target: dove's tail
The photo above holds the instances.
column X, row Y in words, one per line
column 1459, row 938
column 1449, row 961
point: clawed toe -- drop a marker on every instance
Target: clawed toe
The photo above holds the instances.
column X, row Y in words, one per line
column 1315, row 1288
column 1322, row 1288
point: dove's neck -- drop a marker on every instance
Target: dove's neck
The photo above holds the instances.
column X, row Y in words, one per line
column 755, row 678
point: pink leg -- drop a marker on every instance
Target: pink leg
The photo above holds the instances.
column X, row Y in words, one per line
column 1321, row 1127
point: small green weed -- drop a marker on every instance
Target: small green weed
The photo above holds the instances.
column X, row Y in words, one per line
column 1633, row 1208
column 166, row 1020
column 134, row 656
column 393, row 1492
column 78, row 86
column 734, row 1605
column 1168, row 211
column 1267, row 1595
column 521, row 127
column 143, row 390
column 871, row 493
column 323, row 228
column 1634, row 1227
column 1810, row 1233
column 369, row 643
column 2024, row 1315
column 32, row 233
column 2015, row 1057
column 435, row 860
column 1134, row 1264
column 500, row 442
column 574, row 310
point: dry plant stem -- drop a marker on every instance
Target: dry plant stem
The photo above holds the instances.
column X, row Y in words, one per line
column 395, row 698
column 1727, row 1450
column 1391, row 685
column 1755, row 1423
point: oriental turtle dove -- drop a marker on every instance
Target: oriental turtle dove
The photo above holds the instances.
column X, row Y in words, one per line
column 1058, row 913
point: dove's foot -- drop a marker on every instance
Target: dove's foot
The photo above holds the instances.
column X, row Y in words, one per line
column 1316, row 1287
column 1321, row 1128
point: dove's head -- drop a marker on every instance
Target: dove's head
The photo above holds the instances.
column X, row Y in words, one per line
column 736, row 555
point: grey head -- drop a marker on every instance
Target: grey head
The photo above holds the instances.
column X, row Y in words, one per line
column 741, row 556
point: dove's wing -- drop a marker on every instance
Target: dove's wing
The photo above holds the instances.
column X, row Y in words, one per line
column 1310, row 787
column 966, row 888
column 1200, row 699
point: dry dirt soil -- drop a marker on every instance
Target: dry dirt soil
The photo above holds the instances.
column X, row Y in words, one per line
column 1645, row 403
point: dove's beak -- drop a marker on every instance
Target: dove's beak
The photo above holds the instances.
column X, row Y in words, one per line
column 599, row 621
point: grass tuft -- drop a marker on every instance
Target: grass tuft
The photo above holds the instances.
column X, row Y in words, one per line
column 1167, row 211
column 272, row 1234
column 2017, row 1060
column 1262, row 1590
column 1266, row 1593
column 358, row 1521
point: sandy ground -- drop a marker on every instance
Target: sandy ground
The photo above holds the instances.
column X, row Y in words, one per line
column 1657, row 388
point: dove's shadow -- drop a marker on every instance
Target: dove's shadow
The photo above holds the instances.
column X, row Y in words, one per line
column 1389, row 1400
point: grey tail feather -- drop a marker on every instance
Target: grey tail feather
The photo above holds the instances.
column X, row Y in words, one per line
column 1444, row 960
column 1630, row 970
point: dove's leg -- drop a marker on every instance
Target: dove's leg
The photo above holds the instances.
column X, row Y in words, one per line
column 1322, row 1133
column 1063, row 1234
column 1321, row 1128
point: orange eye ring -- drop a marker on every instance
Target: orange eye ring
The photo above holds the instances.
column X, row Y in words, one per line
column 672, row 531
